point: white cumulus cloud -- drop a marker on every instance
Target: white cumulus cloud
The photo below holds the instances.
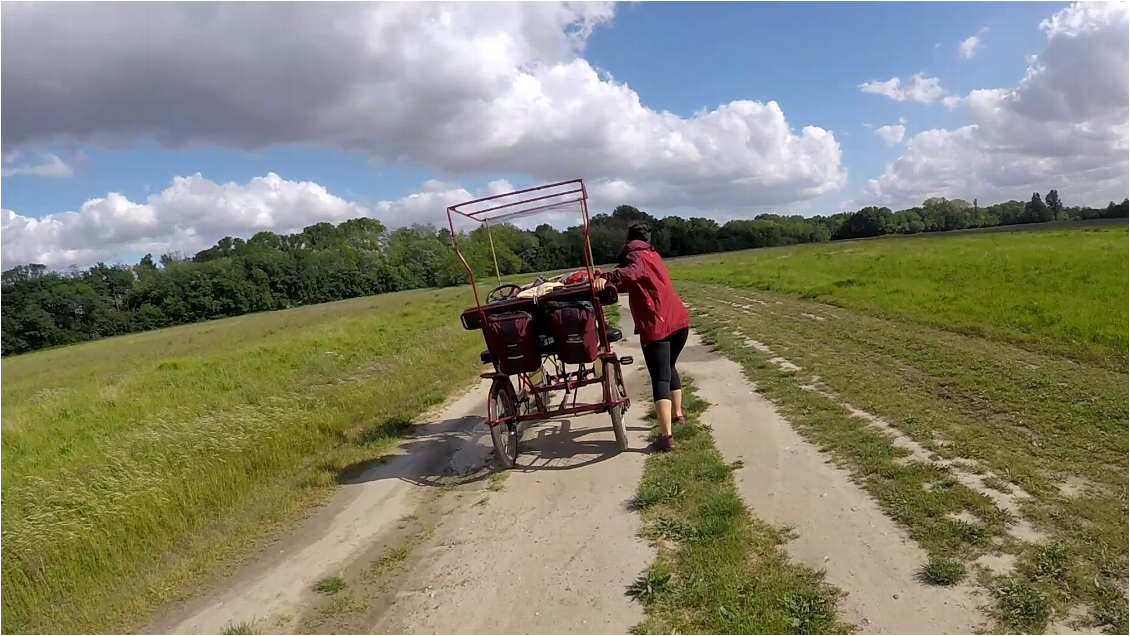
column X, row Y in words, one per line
column 48, row 166
column 466, row 89
column 968, row 47
column 891, row 135
column 1066, row 125
column 922, row 89
column 194, row 212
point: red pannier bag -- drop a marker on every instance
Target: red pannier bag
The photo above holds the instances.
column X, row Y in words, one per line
column 513, row 342
column 573, row 327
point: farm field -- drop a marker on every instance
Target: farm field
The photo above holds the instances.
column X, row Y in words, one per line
column 975, row 386
column 1061, row 292
column 133, row 463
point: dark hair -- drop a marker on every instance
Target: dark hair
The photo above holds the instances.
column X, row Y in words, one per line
column 639, row 231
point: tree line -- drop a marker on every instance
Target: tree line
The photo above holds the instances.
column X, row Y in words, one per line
column 359, row 257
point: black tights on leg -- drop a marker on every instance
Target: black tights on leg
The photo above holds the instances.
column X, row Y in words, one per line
column 660, row 357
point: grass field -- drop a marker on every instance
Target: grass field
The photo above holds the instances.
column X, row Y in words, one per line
column 133, row 464
column 1063, row 292
column 976, row 386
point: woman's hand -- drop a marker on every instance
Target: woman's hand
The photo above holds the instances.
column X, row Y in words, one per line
column 599, row 284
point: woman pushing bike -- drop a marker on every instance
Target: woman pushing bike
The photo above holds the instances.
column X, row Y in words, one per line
column 661, row 320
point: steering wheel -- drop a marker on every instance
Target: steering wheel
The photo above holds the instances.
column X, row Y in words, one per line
column 496, row 295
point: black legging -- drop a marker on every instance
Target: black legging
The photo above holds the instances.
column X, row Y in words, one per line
column 661, row 357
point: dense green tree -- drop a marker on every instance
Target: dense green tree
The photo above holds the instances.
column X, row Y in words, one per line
column 359, row 257
column 1054, row 204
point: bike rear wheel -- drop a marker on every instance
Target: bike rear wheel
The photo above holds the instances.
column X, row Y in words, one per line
column 504, row 435
column 612, row 378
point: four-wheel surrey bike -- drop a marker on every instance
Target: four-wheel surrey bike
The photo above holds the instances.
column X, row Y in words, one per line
column 535, row 333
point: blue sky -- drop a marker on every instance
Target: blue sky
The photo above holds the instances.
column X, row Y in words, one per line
column 684, row 58
column 811, row 56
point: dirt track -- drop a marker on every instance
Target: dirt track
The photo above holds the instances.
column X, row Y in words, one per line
column 552, row 547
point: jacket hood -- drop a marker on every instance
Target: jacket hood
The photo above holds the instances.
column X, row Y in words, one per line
column 634, row 246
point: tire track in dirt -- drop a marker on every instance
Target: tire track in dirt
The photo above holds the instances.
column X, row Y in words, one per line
column 785, row 480
column 975, row 479
column 1022, row 540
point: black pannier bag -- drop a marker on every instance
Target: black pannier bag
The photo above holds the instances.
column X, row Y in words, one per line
column 513, row 342
column 573, row 326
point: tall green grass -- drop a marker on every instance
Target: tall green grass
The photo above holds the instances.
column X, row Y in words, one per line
column 132, row 463
column 1063, row 291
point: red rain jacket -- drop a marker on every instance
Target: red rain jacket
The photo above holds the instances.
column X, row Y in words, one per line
column 656, row 308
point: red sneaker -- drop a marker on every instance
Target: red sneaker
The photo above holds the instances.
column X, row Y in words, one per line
column 680, row 420
column 664, row 444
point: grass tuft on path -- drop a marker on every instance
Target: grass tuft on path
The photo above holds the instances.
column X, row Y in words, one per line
column 940, row 570
column 718, row 570
column 239, row 628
